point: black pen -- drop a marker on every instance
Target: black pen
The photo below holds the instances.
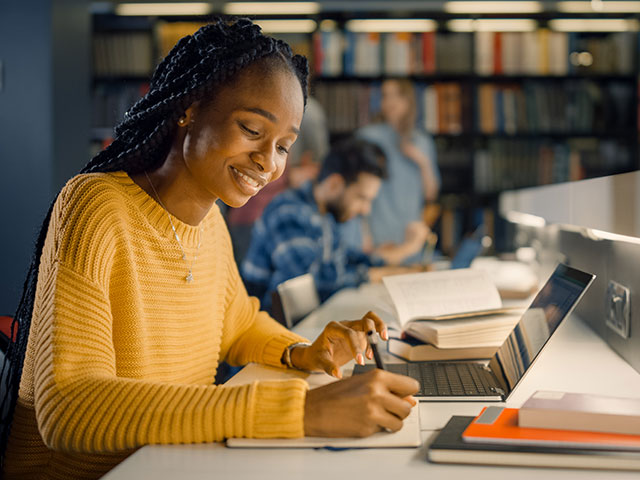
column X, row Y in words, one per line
column 373, row 343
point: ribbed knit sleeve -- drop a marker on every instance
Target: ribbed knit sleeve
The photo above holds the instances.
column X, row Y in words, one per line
column 252, row 334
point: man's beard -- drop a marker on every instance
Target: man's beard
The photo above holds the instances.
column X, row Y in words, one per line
column 336, row 209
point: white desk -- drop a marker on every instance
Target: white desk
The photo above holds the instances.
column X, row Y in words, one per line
column 575, row 359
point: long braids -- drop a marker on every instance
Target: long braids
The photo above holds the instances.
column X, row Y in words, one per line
column 191, row 71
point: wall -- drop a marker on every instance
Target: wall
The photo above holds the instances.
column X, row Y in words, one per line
column 609, row 203
column 44, row 118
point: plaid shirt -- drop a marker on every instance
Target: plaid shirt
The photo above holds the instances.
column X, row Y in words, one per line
column 292, row 238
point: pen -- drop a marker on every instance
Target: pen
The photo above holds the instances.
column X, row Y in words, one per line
column 373, row 343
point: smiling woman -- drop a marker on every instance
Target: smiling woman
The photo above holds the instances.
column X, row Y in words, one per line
column 133, row 298
column 232, row 144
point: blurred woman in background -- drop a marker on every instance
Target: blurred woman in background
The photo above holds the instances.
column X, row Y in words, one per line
column 395, row 229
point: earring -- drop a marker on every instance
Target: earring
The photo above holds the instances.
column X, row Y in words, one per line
column 182, row 121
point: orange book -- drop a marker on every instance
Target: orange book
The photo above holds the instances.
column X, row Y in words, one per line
column 429, row 52
column 497, row 54
column 498, row 425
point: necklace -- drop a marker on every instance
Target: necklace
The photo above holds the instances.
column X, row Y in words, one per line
column 189, row 277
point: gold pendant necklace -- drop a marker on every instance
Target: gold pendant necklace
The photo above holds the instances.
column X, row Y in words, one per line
column 189, row 277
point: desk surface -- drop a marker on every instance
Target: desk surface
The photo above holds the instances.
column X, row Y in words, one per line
column 575, row 359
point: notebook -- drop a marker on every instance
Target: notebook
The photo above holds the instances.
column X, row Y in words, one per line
column 407, row 436
column 471, row 381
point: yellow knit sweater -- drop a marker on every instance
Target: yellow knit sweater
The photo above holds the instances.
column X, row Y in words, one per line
column 123, row 351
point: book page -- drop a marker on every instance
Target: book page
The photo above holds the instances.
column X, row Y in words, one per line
column 434, row 294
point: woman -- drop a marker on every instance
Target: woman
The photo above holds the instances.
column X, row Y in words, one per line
column 133, row 297
column 395, row 224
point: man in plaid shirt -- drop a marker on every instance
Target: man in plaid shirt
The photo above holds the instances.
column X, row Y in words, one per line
column 299, row 232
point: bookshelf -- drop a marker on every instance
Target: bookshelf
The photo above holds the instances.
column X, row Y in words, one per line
column 124, row 54
column 506, row 109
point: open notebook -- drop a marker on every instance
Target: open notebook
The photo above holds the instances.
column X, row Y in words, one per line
column 408, row 436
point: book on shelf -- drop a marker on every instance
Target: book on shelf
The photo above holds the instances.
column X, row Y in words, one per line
column 449, row 447
column 111, row 101
column 169, row 33
column 398, row 53
column 414, row 350
column 581, row 411
column 499, row 425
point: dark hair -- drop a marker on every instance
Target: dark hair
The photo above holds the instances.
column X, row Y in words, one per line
column 353, row 156
column 193, row 69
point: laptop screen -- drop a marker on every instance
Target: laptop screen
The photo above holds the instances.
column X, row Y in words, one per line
column 469, row 249
column 553, row 303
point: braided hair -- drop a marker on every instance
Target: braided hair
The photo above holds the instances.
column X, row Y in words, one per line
column 192, row 71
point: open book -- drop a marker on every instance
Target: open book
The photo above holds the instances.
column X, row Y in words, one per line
column 443, row 295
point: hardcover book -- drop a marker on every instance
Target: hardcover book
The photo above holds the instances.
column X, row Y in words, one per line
column 413, row 350
column 581, row 411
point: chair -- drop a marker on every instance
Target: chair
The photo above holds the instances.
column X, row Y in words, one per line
column 294, row 299
column 5, row 332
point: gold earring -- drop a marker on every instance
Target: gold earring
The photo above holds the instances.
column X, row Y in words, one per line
column 182, row 121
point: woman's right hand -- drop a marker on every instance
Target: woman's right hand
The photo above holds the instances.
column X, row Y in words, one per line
column 360, row 405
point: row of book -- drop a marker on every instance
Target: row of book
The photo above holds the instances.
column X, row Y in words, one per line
column 337, row 53
column 123, row 53
column 551, row 429
column 112, row 100
column 442, row 108
column 515, row 163
column 545, row 52
column 370, row 54
column 135, row 53
column 533, row 107
column 571, row 107
column 541, row 52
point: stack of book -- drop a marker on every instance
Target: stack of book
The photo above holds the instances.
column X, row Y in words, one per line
column 448, row 315
column 552, row 429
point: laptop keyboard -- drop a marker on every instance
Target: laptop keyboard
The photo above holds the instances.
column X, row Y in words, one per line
column 444, row 379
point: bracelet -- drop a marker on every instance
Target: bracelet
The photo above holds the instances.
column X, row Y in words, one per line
column 286, row 355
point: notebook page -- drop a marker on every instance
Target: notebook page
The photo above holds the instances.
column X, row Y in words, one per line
column 407, row 436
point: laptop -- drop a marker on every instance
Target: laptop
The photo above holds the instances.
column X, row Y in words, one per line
column 473, row 381
column 469, row 249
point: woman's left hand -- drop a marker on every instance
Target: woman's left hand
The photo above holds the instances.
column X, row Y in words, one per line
column 338, row 343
